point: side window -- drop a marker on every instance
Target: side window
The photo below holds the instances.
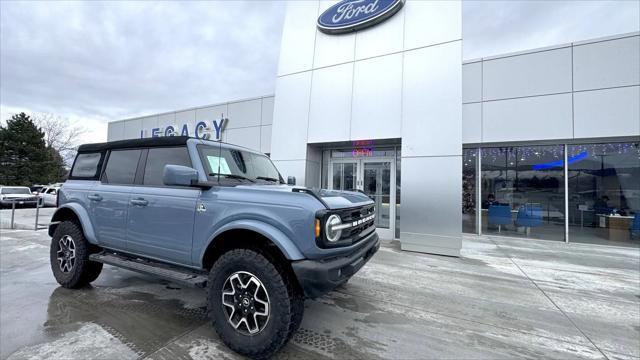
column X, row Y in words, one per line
column 121, row 167
column 86, row 165
column 158, row 158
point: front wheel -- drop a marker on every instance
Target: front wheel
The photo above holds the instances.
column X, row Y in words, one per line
column 69, row 257
column 252, row 302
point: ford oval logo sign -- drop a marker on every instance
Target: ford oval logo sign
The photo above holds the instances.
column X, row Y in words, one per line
column 352, row 15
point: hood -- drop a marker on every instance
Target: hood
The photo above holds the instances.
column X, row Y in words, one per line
column 333, row 198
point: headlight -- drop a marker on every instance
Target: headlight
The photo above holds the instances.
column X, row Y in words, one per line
column 331, row 233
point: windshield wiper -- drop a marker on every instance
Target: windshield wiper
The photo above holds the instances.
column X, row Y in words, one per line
column 232, row 176
column 268, row 178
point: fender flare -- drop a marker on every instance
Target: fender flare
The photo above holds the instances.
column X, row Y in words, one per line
column 82, row 216
column 277, row 237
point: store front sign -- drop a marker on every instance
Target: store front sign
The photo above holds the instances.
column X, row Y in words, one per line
column 352, row 15
column 207, row 130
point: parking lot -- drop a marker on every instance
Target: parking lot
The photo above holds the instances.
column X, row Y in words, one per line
column 504, row 298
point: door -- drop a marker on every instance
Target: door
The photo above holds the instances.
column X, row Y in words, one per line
column 376, row 178
column 160, row 219
column 378, row 181
column 344, row 175
column 109, row 199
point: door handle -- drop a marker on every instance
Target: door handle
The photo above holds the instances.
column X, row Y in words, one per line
column 139, row 202
column 95, row 197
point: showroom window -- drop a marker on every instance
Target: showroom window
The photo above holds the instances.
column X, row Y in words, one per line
column 604, row 193
column 469, row 168
column 522, row 192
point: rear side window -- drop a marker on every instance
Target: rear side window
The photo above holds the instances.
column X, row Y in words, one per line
column 86, row 165
column 158, row 158
column 121, row 167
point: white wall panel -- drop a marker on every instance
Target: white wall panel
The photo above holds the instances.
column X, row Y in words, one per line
column 265, row 139
column 115, row 131
column 244, row 113
column 186, row 117
column 471, row 123
column 535, row 118
column 610, row 112
column 333, row 49
column 431, row 102
column 377, row 98
column 330, row 111
column 382, row 39
column 431, row 22
column 210, row 113
column 290, row 117
column 267, row 110
column 248, row 137
column 472, row 82
column 132, row 129
column 148, row 124
column 295, row 168
column 607, row 64
column 539, row 73
column 165, row 120
column 298, row 37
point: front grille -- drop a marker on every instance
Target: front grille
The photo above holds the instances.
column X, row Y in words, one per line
column 353, row 216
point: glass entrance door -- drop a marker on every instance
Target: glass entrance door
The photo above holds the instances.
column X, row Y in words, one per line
column 344, row 175
column 376, row 178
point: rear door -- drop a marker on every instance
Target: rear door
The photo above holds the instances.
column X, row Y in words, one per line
column 109, row 199
column 160, row 219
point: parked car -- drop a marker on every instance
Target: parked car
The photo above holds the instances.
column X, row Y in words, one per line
column 49, row 195
column 21, row 195
column 216, row 216
column 36, row 189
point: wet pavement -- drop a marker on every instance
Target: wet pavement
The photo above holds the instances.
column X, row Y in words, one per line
column 504, row 298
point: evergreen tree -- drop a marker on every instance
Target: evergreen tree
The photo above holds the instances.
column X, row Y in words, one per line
column 24, row 158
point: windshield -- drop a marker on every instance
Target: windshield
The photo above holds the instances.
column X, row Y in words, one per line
column 15, row 190
column 239, row 165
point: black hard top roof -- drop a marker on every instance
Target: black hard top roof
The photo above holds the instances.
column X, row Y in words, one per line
column 134, row 143
column 150, row 142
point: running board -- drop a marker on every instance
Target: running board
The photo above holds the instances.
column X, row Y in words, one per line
column 160, row 270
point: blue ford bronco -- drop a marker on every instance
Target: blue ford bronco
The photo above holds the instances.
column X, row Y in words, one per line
column 215, row 216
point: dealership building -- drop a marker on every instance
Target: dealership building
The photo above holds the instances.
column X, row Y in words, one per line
column 541, row 144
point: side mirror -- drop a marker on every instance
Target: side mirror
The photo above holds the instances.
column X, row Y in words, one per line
column 291, row 180
column 176, row 175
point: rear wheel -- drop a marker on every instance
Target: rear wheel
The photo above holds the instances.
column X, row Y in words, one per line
column 252, row 303
column 69, row 257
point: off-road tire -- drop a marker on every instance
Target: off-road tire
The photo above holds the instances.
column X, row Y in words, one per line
column 284, row 303
column 83, row 271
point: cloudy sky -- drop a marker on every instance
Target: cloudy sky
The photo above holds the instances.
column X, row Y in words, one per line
column 95, row 62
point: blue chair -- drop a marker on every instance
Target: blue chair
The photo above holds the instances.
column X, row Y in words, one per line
column 635, row 226
column 529, row 216
column 499, row 215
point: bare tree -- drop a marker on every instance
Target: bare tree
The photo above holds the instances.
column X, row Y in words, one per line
column 60, row 134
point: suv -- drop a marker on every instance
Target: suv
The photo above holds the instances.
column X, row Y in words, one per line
column 216, row 216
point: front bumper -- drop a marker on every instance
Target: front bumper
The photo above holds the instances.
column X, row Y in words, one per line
column 19, row 202
column 318, row 277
